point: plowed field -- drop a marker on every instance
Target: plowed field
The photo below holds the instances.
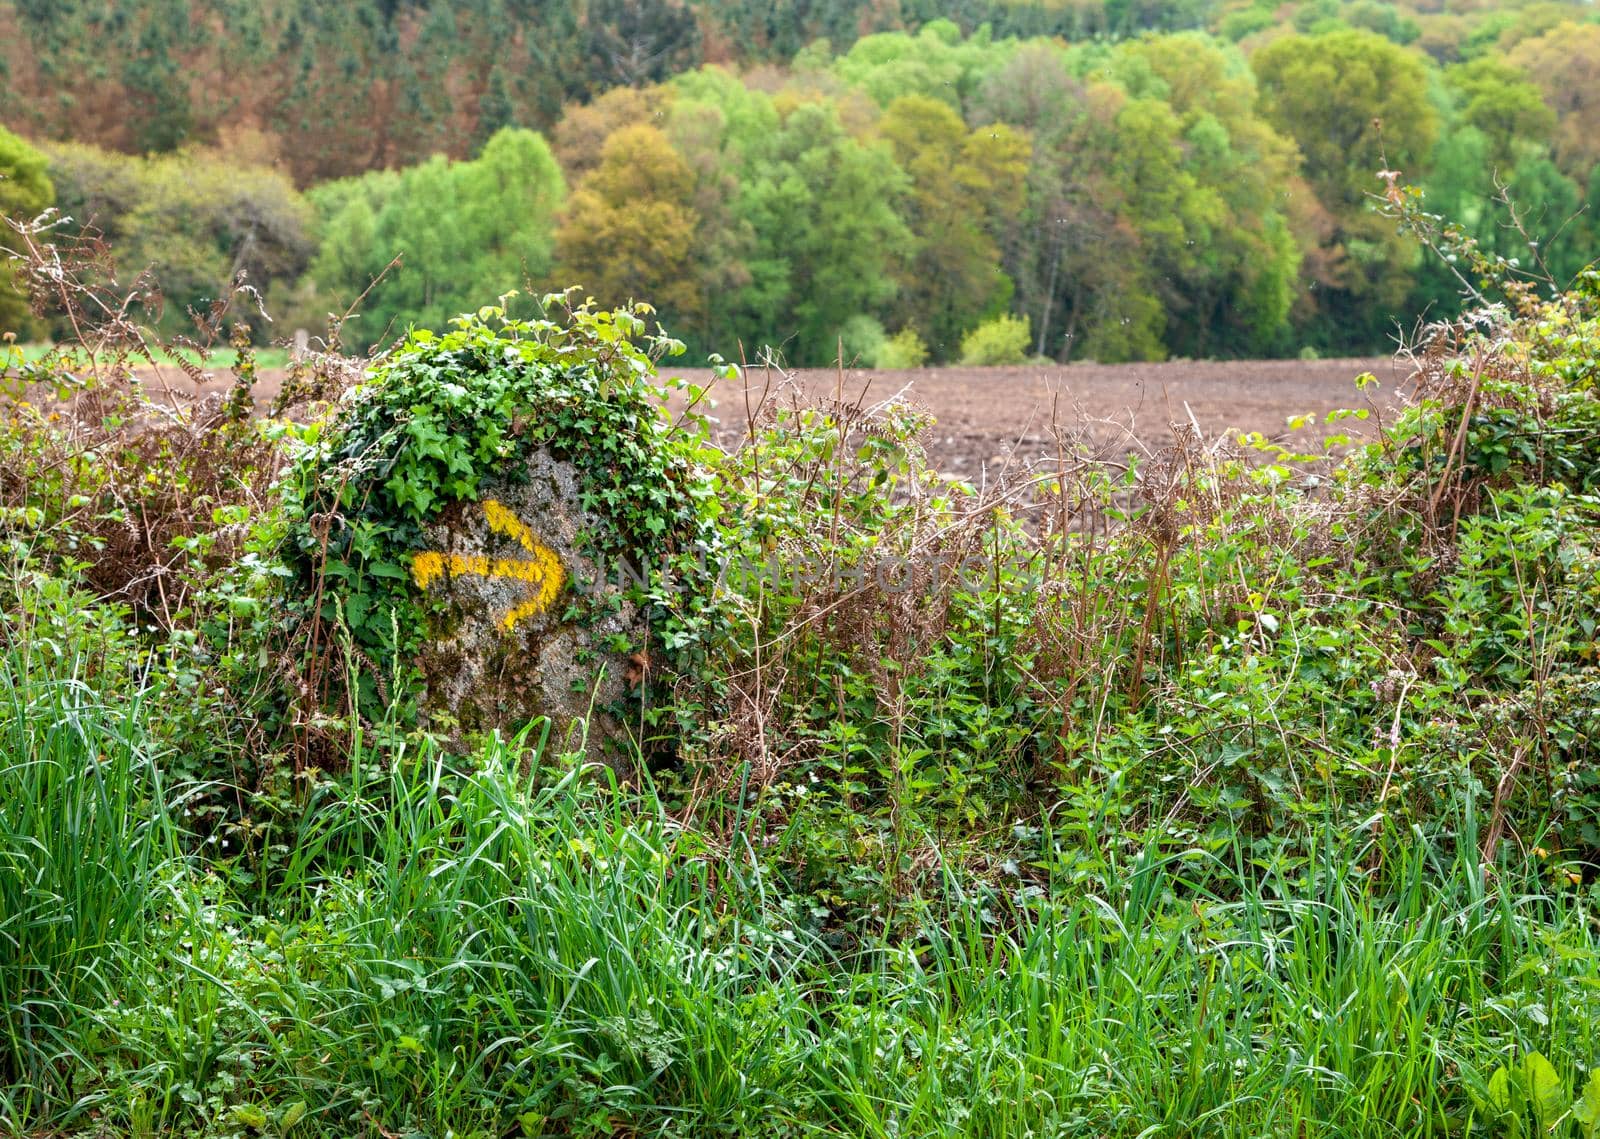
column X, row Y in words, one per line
column 987, row 416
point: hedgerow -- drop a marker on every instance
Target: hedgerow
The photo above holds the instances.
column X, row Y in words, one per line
column 1240, row 788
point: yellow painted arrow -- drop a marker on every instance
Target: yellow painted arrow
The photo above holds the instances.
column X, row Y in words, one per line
column 541, row 569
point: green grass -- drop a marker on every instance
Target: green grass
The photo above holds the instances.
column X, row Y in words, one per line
column 85, row 850
column 510, row 947
column 1015, row 890
column 219, row 359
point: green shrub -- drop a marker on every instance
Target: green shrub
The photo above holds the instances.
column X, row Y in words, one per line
column 1003, row 340
column 904, row 349
column 195, row 219
column 862, row 341
column 1143, row 771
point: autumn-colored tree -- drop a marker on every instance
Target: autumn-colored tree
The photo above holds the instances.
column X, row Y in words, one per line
column 1565, row 64
column 628, row 232
column 581, row 134
column 194, row 220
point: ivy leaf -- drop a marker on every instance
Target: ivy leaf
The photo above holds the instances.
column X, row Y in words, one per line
column 251, row 1116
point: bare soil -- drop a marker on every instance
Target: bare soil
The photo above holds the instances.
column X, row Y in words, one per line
column 989, row 416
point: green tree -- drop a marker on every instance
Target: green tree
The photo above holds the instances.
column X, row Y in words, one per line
column 749, row 118
column 724, row 239
column 25, row 192
column 1497, row 99
column 1228, row 281
column 800, row 220
column 467, row 232
column 159, row 108
column 827, row 234
column 966, row 187
column 1079, row 273
column 630, row 42
column 1143, row 223
column 1531, row 212
column 1003, row 340
column 1386, row 19
column 196, row 219
column 777, row 30
column 1565, row 64
column 496, row 111
column 1352, row 101
column 935, row 62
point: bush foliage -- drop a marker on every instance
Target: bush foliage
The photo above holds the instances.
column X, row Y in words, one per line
column 1003, row 340
column 443, row 413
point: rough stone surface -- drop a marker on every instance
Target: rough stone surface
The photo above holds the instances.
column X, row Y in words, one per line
column 506, row 648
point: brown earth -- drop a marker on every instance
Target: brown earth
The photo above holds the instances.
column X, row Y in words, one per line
column 984, row 415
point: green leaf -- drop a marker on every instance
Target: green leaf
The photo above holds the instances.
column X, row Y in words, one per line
column 1545, row 1091
column 250, row 1115
column 1497, row 1095
column 1587, row 1108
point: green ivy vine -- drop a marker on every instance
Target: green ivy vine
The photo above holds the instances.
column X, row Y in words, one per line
column 445, row 412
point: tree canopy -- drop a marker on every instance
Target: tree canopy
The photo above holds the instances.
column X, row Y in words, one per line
column 25, row 192
column 1136, row 178
column 466, row 232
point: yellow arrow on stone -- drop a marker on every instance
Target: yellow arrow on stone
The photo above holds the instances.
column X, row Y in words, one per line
column 541, row 569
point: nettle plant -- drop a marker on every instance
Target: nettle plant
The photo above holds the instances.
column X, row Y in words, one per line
column 445, row 412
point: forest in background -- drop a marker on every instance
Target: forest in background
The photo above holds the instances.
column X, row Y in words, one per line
column 1109, row 180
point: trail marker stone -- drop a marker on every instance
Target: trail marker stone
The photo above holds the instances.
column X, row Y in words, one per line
column 508, row 643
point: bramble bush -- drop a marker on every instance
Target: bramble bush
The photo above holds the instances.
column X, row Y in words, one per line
column 1234, row 646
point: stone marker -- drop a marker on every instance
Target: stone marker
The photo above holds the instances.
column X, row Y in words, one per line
column 510, row 645
column 452, row 513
